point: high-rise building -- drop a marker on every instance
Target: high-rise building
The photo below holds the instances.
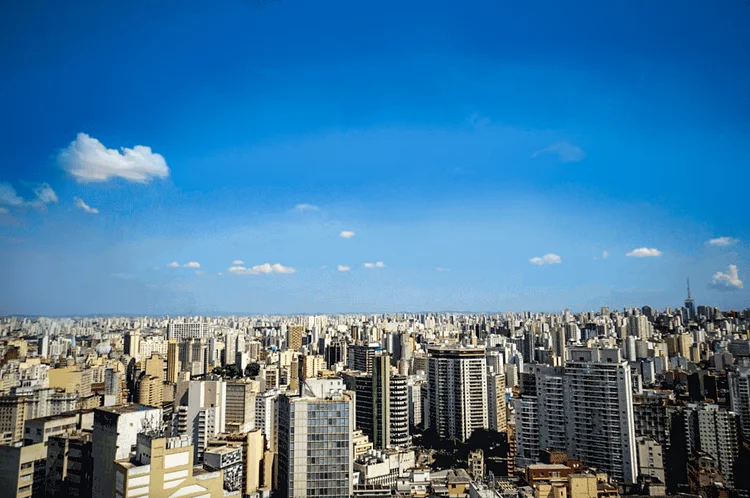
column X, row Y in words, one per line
column 173, row 361
column 184, row 330
column 132, row 344
column 240, row 405
column 200, row 412
column 70, row 466
column 713, row 430
column 739, row 394
column 599, row 408
column 12, row 417
column 496, row 406
column 294, row 337
column 650, row 459
column 115, row 432
column 315, row 441
column 150, row 391
column 457, row 391
column 23, row 470
column 381, row 401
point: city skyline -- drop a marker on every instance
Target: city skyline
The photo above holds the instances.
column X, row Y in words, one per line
column 442, row 158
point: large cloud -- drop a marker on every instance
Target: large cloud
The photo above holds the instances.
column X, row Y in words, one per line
column 644, row 252
column 729, row 281
column 547, row 259
column 264, row 268
column 89, row 161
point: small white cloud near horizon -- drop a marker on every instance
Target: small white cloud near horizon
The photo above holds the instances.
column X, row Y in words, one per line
column 264, row 268
column 377, row 264
column 220, row 273
column 88, row 160
column 547, row 259
column 173, row 264
column 238, row 262
column 343, row 268
column 346, row 234
column 306, row 207
column 723, row 241
column 605, row 255
column 440, row 268
column 644, row 252
column 729, row 281
column 192, row 264
column 566, row 152
column 80, row 204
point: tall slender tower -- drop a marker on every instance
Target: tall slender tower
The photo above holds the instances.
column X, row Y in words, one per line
column 173, row 361
column 690, row 303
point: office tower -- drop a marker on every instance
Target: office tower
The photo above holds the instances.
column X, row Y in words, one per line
column 132, row 344
column 200, row 412
column 150, row 391
column 22, row 470
column 360, row 357
column 115, row 432
column 713, row 430
column 182, row 331
column 739, row 394
column 70, row 466
column 240, row 405
column 526, row 422
column 457, row 391
column 599, row 406
column 335, row 352
column 294, row 337
column 414, row 391
column 230, row 348
column 381, row 401
column 315, row 441
column 559, row 346
column 399, row 411
column 43, row 346
column 496, row 410
column 650, row 460
column 173, row 361
column 266, row 418
column 162, row 468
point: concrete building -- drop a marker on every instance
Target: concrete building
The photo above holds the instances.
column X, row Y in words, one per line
column 200, row 412
column 115, row 432
column 384, row 468
column 714, row 431
column 650, row 459
column 150, row 391
column 739, row 394
column 496, row 405
column 12, row 418
column 228, row 460
column 240, row 405
column 162, row 468
column 457, row 391
column 294, row 337
column 23, row 470
column 315, row 440
column 599, row 409
column 70, row 466
column 173, row 361
column 182, row 331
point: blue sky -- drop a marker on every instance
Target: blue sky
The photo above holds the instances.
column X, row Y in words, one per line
column 488, row 154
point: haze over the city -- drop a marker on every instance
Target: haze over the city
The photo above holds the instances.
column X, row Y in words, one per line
column 330, row 156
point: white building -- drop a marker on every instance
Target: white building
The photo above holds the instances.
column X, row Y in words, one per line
column 201, row 412
column 457, row 391
column 739, row 393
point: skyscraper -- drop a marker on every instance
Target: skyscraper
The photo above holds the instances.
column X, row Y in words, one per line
column 173, row 361
column 599, row 407
column 457, row 391
column 739, row 393
column 294, row 337
column 496, row 409
column 315, row 441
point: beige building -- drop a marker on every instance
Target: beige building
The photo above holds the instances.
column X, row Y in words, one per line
column 256, row 462
column 163, row 468
column 312, row 366
column 71, row 379
column 294, row 337
column 173, row 361
column 12, row 418
column 240, row 405
column 154, row 366
column 150, row 391
column 22, row 470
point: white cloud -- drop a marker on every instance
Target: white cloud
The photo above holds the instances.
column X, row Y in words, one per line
column 264, row 268
column 729, row 281
column 174, row 264
column 89, row 161
column 605, row 255
column 547, row 259
column 343, row 268
column 45, row 194
column 377, row 264
column 8, row 195
column 566, row 152
column 192, row 264
column 220, row 273
column 306, row 207
column 644, row 252
column 723, row 241
column 238, row 262
column 440, row 268
column 347, row 234
column 80, row 204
